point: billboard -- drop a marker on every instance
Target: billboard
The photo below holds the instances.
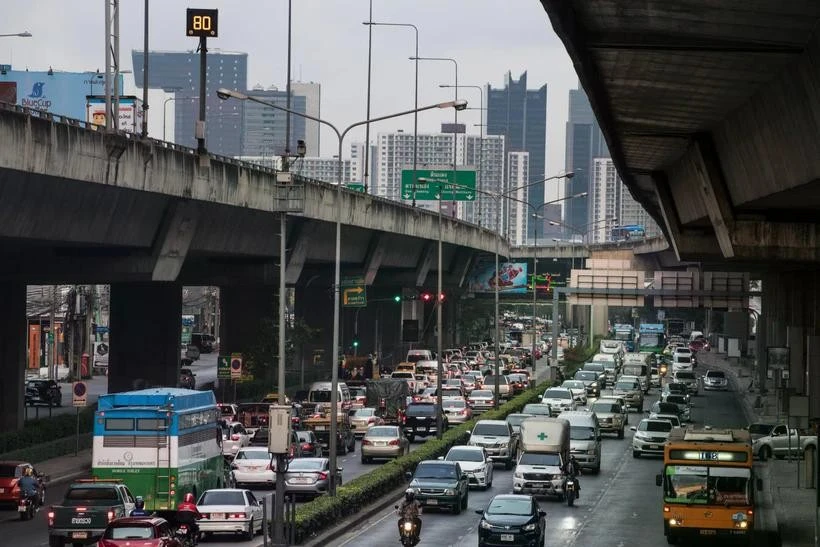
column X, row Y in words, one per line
column 130, row 113
column 512, row 278
column 60, row 93
column 8, row 92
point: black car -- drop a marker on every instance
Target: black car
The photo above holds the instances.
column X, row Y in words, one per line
column 591, row 381
column 440, row 484
column 420, row 419
column 45, row 392
column 512, row 519
column 187, row 379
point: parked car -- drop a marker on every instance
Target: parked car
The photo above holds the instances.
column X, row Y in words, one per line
column 229, row 510
column 384, row 441
column 253, row 465
column 46, row 392
column 310, row 476
column 475, row 462
column 142, row 531
column 187, row 379
column 512, row 519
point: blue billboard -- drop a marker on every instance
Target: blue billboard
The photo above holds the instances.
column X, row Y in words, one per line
column 62, row 93
column 510, row 278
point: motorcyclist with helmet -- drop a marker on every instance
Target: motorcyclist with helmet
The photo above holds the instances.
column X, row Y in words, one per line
column 30, row 486
column 573, row 469
column 410, row 508
column 139, row 508
column 188, row 513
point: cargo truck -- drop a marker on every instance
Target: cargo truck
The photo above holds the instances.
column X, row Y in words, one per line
column 543, row 449
column 389, row 398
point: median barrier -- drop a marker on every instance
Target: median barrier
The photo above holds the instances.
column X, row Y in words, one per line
column 324, row 512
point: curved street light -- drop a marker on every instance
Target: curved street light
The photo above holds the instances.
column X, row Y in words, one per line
column 24, row 34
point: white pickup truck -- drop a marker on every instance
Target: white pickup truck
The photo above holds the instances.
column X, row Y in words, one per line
column 780, row 441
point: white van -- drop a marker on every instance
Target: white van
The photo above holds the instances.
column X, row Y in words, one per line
column 584, row 438
column 416, row 355
column 320, row 394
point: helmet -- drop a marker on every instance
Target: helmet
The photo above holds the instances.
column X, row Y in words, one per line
column 27, row 472
column 409, row 494
column 139, row 503
column 189, row 498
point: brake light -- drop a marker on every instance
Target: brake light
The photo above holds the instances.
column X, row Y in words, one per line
column 237, row 516
column 322, row 476
column 50, row 517
column 394, row 442
column 111, row 516
column 80, row 509
column 292, row 451
column 234, row 437
column 371, row 420
column 307, row 446
column 365, row 442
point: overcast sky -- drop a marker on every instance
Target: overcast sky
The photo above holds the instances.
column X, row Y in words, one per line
column 486, row 37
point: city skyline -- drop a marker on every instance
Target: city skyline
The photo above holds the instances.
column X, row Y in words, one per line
column 338, row 60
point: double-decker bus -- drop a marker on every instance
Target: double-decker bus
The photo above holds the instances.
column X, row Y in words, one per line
column 708, row 484
column 161, row 442
column 651, row 337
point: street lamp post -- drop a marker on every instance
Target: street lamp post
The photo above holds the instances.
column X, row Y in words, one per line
column 372, row 23
column 165, row 110
column 24, row 34
column 340, row 135
column 481, row 139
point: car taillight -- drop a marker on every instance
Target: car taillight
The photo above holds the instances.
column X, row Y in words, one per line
column 365, row 442
column 234, row 437
column 50, row 517
column 205, row 515
column 394, row 442
column 292, row 451
column 237, row 515
column 307, row 446
column 371, row 420
column 111, row 516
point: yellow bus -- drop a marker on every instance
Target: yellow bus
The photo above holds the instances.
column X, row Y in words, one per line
column 708, row 484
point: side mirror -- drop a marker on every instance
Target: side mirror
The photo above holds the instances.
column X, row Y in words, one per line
column 633, row 428
column 440, row 458
column 479, row 512
column 658, row 480
column 408, row 475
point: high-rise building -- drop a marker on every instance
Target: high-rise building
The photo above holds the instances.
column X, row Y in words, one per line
column 518, row 173
column 357, row 164
column 395, row 153
column 612, row 205
column 264, row 128
column 584, row 141
column 312, row 92
column 178, row 72
column 520, row 115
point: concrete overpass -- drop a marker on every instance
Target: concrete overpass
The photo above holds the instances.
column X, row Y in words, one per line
column 711, row 112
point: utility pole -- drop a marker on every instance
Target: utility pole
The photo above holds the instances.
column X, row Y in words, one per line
column 51, row 339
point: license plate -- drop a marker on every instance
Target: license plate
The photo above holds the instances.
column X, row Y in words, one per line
column 507, row 537
column 432, row 502
column 653, row 447
column 254, row 468
column 320, row 428
column 300, row 480
column 79, row 535
column 380, row 443
column 21, row 508
column 708, row 532
column 218, row 516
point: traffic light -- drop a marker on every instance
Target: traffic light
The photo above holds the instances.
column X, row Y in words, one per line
column 355, row 342
column 397, row 298
column 427, row 297
column 441, row 297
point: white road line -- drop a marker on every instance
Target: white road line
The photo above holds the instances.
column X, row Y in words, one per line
column 363, row 530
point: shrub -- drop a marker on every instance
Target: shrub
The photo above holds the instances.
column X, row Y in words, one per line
column 46, row 430
column 351, row 497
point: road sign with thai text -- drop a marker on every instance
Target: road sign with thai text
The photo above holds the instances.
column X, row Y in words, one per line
column 79, row 393
column 434, row 184
column 223, row 367
column 354, row 292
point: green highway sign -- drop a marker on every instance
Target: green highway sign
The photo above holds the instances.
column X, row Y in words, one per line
column 355, row 186
column 223, row 367
column 354, row 292
column 434, row 184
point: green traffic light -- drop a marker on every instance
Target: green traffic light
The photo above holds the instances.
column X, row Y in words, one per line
column 355, row 343
column 397, row 298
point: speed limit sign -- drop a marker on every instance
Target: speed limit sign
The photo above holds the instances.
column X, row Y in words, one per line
column 236, row 366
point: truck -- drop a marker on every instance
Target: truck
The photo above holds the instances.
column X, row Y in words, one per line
column 388, row 397
column 783, row 441
column 543, row 450
column 319, row 423
column 87, row 509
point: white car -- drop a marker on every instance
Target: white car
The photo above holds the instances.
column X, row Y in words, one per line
column 253, row 465
column 650, row 437
column 715, row 379
column 481, row 400
column 229, row 510
column 234, row 437
column 579, row 390
column 560, row 400
column 474, row 463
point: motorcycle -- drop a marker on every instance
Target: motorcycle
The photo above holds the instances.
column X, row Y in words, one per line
column 185, row 535
column 27, row 506
column 408, row 531
column 571, row 491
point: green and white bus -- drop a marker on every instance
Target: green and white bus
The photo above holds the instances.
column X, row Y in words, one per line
column 161, row 442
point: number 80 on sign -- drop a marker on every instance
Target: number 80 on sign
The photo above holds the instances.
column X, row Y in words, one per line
column 202, row 23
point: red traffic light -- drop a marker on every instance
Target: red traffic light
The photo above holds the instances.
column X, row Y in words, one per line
column 426, row 296
column 441, row 297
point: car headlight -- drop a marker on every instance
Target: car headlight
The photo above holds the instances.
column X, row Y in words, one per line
column 594, row 384
column 449, row 492
column 529, row 527
column 518, row 475
column 485, row 525
column 591, row 452
column 504, row 445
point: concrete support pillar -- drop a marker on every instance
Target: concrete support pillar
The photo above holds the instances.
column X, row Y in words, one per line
column 314, row 309
column 145, row 335
column 249, row 321
column 813, row 377
column 12, row 355
column 795, row 339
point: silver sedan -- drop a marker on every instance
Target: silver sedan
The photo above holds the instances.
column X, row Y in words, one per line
column 310, row 476
column 384, row 441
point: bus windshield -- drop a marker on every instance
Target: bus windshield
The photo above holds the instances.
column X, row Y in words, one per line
column 696, row 484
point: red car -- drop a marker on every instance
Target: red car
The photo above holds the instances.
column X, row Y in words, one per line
column 699, row 344
column 142, row 531
column 10, row 473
